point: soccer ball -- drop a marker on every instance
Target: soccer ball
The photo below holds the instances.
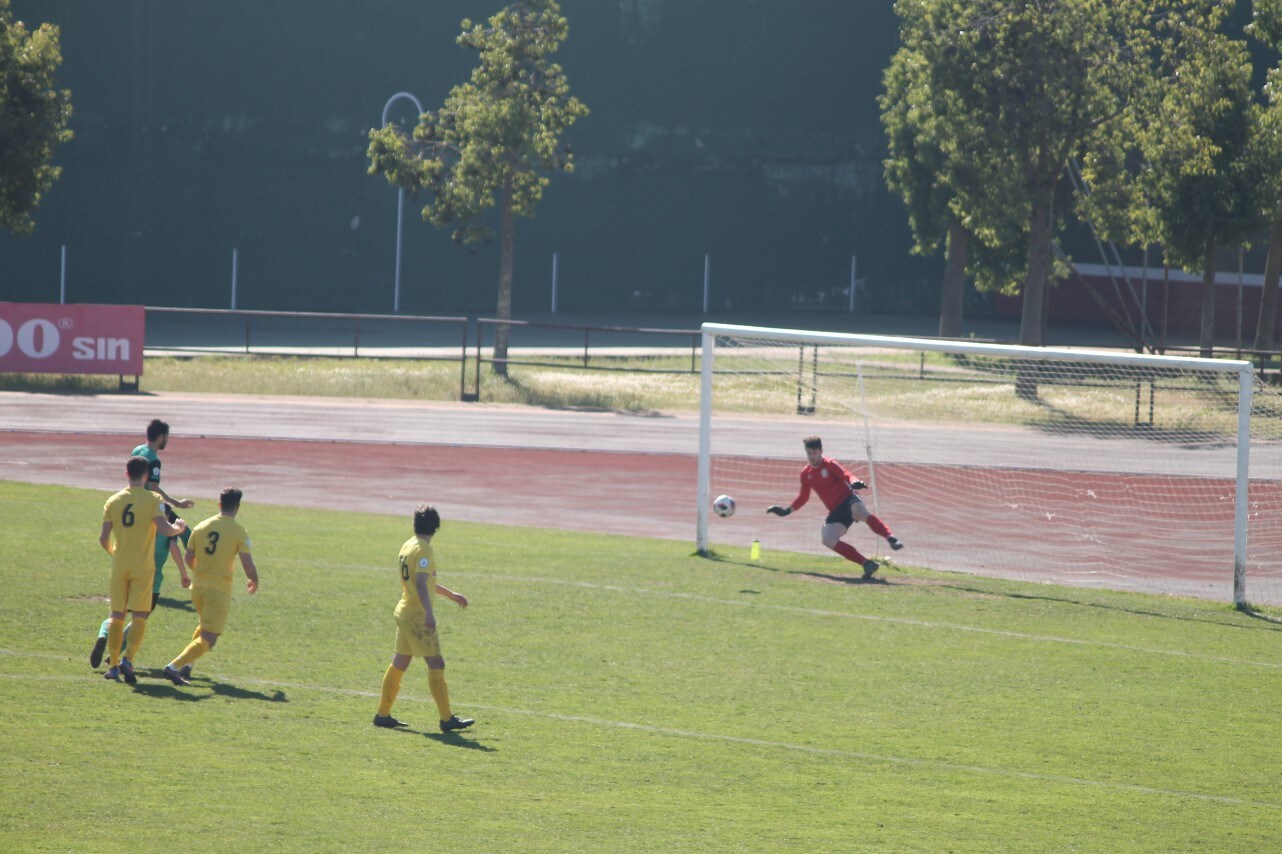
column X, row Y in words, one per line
column 723, row 506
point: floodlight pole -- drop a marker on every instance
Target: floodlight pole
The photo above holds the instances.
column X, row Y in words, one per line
column 400, row 199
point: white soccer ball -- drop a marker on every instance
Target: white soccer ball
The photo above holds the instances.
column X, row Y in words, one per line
column 723, row 506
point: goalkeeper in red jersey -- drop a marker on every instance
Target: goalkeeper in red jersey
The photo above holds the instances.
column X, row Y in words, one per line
column 836, row 488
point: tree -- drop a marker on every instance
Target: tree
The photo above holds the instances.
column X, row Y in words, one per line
column 932, row 163
column 33, row 118
column 494, row 141
column 1038, row 79
column 1205, row 202
column 1266, row 25
column 1192, row 178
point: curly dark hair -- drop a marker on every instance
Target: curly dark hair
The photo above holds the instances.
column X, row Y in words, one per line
column 426, row 520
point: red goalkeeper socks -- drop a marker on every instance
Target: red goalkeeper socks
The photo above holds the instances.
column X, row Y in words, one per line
column 849, row 552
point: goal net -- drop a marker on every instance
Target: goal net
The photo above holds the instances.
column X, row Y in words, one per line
column 1125, row 471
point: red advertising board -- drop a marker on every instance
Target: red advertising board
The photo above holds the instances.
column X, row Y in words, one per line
column 40, row 338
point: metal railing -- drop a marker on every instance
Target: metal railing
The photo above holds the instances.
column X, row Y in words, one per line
column 310, row 334
column 430, row 340
column 527, row 353
column 1268, row 363
column 216, row 340
column 469, row 341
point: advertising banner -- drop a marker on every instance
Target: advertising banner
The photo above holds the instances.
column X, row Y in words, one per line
column 71, row 339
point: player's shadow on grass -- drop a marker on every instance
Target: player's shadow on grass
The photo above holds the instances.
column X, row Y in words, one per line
column 1263, row 621
column 854, row 580
column 222, row 689
column 453, row 739
column 450, row 739
column 202, row 689
column 166, row 691
column 176, row 604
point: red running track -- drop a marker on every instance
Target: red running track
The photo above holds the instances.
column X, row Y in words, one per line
column 1021, row 523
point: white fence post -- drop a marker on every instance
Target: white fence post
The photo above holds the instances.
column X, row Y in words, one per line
column 554, row 272
column 707, row 280
column 854, row 266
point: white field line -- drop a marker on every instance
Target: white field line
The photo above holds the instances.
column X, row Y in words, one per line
column 904, row 621
column 739, row 740
column 874, row 618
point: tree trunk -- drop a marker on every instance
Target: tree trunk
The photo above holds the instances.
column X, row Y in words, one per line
column 1032, row 323
column 507, row 243
column 1264, row 327
column 1206, row 342
column 953, row 297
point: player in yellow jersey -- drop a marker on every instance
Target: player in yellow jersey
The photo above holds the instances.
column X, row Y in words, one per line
column 416, row 625
column 157, row 440
column 130, row 521
column 214, row 545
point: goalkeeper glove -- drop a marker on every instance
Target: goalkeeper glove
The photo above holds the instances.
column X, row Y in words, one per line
column 778, row 509
column 858, row 484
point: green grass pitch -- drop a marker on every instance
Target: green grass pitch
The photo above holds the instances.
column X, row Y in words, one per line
column 629, row 696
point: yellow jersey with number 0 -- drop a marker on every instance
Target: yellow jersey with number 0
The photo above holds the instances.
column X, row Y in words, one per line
column 416, row 559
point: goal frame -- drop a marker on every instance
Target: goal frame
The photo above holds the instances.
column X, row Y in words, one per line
column 1244, row 370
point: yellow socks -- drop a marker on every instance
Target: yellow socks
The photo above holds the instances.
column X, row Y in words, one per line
column 137, row 628
column 440, row 693
column 194, row 650
column 391, row 687
column 115, row 636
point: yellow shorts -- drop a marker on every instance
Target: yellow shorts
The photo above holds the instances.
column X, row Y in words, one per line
column 131, row 588
column 412, row 638
column 212, row 606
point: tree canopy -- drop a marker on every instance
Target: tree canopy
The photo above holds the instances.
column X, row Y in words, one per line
column 33, row 117
column 1266, row 149
column 495, row 140
column 934, row 154
column 1033, row 85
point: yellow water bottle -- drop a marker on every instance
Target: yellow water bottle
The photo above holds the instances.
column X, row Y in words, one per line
column 755, row 552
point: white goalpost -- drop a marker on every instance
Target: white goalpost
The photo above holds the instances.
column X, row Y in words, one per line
column 1088, row 468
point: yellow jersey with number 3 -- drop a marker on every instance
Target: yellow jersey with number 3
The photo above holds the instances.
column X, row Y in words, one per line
column 132, row 514
column 216, row 542
column 416, row 559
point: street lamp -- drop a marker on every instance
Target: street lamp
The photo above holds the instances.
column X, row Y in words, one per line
column 400, row 198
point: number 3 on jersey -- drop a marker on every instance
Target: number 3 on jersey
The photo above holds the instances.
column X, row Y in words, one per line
column 405, row 571
column 213, row 543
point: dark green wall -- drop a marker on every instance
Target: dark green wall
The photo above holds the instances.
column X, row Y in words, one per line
column 746, row 129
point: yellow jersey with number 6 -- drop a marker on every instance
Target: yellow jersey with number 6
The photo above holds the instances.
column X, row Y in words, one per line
column 132, row 513
column 415, row 559
column 216, row 542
